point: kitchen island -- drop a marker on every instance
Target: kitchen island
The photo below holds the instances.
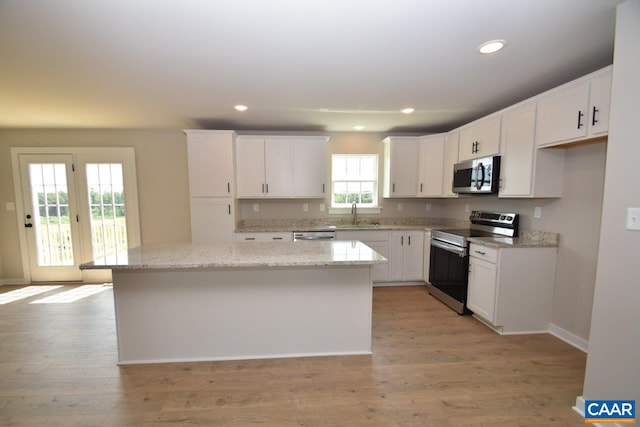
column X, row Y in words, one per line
column 228, row 301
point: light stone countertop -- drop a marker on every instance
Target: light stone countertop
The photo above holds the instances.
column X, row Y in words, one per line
column 242, row 255
column 527, row 239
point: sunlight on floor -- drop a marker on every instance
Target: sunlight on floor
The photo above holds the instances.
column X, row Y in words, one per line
column 73, row 294
column 23, row 293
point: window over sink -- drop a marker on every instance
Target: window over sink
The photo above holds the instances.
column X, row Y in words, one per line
column 354, row 179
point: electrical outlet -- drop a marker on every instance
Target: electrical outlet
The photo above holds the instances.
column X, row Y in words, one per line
column 305, row 207
column 256, row 207
column 537, row 212
column 322, row 207
column 10, row 206
column 427, row 207
column 633, row 219
column 467, row 208
column 400, row 207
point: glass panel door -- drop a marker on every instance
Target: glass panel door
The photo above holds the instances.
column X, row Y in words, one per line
column 50, row 217
column 105, row 185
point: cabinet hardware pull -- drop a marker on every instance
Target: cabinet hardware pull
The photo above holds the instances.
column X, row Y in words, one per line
column 401, row 240
column 393, row 190
column 409, row 240
column 263, row 188
column 277, row 238
column 267, row 188
column 322, row 188
column 421, row 187
column 228, row 187
column 593, row 116
column 480, row 252
column 229, row 209
column 580, row 119
column 249, row 238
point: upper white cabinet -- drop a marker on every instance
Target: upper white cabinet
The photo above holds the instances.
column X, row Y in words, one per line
column 526, row 171
column 431, row 165
column 310, row 167
column 450, row 159
column 210, row 156
column 281, row 166
column 480, row 138
column 401, row 166
column 575, row 111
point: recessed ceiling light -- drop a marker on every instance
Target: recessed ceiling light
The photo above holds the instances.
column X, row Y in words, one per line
column 491, row 46
column 408, row 110
column 358, row 127
column 240, row 107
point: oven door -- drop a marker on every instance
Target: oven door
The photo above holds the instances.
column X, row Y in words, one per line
column 448, row 274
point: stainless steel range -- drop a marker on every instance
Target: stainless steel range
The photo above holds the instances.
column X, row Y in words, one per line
column 449, row 260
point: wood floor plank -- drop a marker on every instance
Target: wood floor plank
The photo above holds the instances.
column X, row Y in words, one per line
column 430, row 367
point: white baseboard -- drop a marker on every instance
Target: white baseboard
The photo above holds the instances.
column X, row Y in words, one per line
column 385, row 284
column 568, row 337
column 14, row 282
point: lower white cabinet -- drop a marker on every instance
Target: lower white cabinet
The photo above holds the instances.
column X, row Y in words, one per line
column 378, row 241
column 264, row 237
column 212, row 219
column 426, row 256
column 511, row 289
column 407, row 255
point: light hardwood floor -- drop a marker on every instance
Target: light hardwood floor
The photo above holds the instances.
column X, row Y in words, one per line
column 430, row 367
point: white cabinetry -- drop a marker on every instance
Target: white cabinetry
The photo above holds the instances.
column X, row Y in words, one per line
column 400, row 166
column 526, row 171
column 407, row 255
column 480, row 138
column 431, row 165
column 264, row 237
column 378, row 241
column 426, row 256
column 511, row 289
column 575, row 111
column 280, row 166
column 450, row 159
column 210, row 157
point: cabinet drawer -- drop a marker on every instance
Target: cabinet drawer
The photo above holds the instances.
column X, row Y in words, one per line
column 366, row 235
column 483, row 252
column 264, row 237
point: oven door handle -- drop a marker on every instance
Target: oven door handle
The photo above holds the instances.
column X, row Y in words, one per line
column 449, row 248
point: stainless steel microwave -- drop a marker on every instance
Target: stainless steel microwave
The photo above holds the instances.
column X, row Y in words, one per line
column 477, row 176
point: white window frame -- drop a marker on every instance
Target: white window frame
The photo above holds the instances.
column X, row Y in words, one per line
column 372, row 208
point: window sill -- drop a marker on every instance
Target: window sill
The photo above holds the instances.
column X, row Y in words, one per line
column 347, row 211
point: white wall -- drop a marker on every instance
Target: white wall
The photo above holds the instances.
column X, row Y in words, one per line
column 614, row 349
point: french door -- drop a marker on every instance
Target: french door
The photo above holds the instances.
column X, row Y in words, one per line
column 77, row 207
column 50, row 204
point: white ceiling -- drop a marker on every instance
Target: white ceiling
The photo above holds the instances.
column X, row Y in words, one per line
column 323, row 65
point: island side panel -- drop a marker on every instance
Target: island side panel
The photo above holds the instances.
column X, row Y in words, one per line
column 193, row 315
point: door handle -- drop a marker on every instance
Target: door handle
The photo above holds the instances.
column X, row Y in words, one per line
column 28, row 224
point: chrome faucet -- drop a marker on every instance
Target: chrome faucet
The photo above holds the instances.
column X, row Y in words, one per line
column 354, row 212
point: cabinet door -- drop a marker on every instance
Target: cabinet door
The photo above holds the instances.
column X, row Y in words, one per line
column 403, row 168
column 563, row 115
column 599, row 101
column 431, row 165
column 211, row 220
column 481, row 293
column 450, row 159
column 380, row 272
column 250, row 167
column 310, row 155
column 480, row 139
column 426, row 256
column 396, row 251
column 413, row 255
column 210, row 156
column 516, row 168
column 278, row 158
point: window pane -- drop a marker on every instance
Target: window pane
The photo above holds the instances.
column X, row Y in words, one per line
column 354, row 179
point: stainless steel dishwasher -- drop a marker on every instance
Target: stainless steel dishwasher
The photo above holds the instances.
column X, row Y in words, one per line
column 313, row 235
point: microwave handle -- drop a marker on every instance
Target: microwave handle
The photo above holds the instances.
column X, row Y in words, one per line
column 479, row 181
